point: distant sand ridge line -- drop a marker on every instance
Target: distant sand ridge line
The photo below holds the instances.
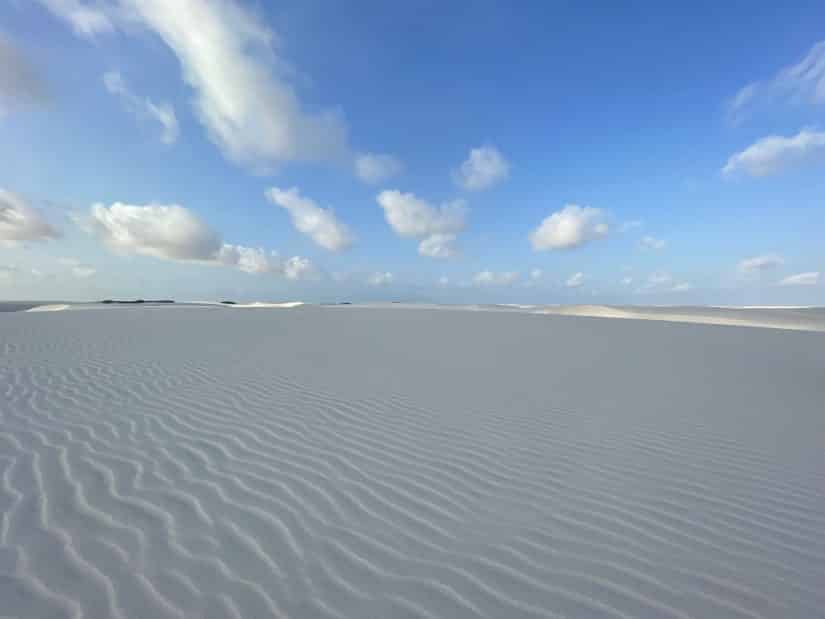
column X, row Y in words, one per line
column 739, row 317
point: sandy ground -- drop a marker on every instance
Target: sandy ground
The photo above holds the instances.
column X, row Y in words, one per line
column 397, row 462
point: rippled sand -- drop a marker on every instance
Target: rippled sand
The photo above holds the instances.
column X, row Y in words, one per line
column 396, row 462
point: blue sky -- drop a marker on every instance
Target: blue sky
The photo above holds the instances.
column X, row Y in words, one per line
column 456, row 152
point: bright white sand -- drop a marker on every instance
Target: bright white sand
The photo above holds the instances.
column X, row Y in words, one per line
column 765, row 317
column 49, row 308
column 407, row 463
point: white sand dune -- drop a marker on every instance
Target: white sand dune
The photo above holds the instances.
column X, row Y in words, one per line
column 764, row 317
column 49, row 308
column 262, row 305
column 400, row 463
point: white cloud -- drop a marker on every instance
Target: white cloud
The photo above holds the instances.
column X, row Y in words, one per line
column 801, row 279
column 414, row 218
column 682, row 287
column 485, row 166
column 774, row 153
column 248, row 259
column 438, row 246
column 380, row 279
column 374, row 168
column 575, row 280
column 317, row 223
column 536, row 274
column 626, row 281
column 759, row 264
column 436, row 228
column 492, row 278
column 86, row 18
column 297, row 268
column 21, row 222
column 803, row 82
column 649, row 242
column 570, row 227
column 20, row 82
column 443, row 281
column 163, row 112
column 243, row 95
column 6, row 273
column 172, row 232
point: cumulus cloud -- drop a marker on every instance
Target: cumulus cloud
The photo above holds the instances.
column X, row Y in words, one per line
column 242, row 90
column 162, row 112
column 247, row 259
column 374, row 168
column 438, row 246
column 172, row 232
column 775, row 152
column 317, row 223
column 443, row 281
column 758, row 264
column 536, row 274
column 21, row 222
column 803, row 82
column 626, row 281
column 20, row 82
column 435, row 227
column 575, row 280
column 649, row 242
column 492, row 278
column 485, row 166
column 570, row 227
column 810, row 278
column 380, row 279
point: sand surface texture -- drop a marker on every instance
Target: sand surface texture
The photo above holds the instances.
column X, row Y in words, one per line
column 352, row 463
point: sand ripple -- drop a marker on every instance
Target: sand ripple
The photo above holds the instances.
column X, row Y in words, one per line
column 206, row 481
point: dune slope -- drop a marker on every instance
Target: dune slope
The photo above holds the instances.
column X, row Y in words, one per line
column 407, row 463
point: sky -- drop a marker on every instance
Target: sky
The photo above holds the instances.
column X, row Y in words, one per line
column 422, row 151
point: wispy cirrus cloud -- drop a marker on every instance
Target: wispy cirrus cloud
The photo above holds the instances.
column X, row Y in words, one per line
column 798, row 83
column 141, row 108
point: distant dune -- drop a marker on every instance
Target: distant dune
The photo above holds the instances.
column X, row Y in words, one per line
column 192, row 461
column 795, row 318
